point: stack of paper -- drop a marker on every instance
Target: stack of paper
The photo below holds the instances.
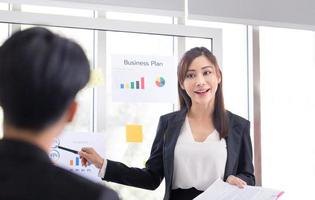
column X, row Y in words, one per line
column 221, row 190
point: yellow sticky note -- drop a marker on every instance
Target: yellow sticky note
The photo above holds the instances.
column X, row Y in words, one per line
column 96, row 78
column 134, row 133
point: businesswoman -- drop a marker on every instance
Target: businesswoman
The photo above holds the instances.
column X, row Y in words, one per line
column 195, row 145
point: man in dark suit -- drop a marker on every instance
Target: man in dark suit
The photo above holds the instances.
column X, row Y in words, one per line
column 40, row 75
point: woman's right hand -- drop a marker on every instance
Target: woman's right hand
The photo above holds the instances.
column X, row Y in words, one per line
column 233, row 180
column 89, row 155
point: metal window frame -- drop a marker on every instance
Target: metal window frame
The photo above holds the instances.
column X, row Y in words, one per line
column 254, row 96
column 98, row 7
column 15, row 17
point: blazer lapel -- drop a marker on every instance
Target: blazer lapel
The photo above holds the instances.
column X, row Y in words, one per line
column 171, row 135
column 233, row 142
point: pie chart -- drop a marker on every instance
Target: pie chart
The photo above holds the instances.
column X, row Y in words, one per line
column 160, row 81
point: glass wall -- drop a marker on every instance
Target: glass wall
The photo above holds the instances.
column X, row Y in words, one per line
column 287, row 110
column 145, row 114
column 4, row 6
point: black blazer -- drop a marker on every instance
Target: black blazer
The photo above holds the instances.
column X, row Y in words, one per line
column 160, row 162
column 27, row 173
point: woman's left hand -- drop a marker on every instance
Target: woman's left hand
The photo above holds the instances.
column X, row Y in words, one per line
column 233, row 180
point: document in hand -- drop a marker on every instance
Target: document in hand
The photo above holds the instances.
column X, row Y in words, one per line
column 221, row 190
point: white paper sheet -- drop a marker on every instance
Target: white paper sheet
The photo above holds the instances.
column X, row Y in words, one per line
column 71, row 161
column 143, row 78
column 221, row 190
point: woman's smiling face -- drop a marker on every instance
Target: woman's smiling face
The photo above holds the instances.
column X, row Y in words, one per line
column 201, row 81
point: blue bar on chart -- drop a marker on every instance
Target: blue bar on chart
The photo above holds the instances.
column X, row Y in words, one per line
column 77, row 161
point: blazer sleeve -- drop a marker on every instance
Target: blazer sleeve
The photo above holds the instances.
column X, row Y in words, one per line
column 245, row 169
column 149, row 177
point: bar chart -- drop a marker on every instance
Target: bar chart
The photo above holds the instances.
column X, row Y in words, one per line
column 138, row 84
column 77, row 162
column 75, row 165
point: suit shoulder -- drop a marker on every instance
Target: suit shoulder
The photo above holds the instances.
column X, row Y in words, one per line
column 173, row 115
column 109, row 194
column 236, row 120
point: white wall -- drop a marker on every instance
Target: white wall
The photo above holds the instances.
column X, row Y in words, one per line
column 176, row 5
column 285, row 13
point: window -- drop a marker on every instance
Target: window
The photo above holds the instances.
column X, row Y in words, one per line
column 4, row 6
column 287, row 111
column 145, row 114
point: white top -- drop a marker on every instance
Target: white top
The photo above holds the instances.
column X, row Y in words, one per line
column 198, row 164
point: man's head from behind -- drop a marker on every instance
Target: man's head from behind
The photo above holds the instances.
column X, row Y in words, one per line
column 40, row 75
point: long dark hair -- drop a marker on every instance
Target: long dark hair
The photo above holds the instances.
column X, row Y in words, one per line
column 220, row 119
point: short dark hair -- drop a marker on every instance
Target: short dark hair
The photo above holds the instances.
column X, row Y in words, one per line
column 40, row 75
column 220, row 116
